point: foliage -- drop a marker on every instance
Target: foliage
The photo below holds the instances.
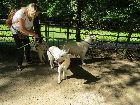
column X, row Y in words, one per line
column 54, row 33
column 119, row 15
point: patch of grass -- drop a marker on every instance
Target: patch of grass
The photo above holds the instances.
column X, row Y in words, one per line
column 61, row 33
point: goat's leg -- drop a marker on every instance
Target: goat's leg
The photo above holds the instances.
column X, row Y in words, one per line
column 43, row 56
column 82, row 59
column 51, row 59
column 59, row 75
column 64, row 74
column 51, row 64
column 40, row 57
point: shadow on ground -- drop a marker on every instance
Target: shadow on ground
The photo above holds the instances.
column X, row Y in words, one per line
column 80, row 73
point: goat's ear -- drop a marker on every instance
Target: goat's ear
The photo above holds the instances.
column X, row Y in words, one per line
column 67, row 51
column 90, row 33
column 93, row 37
column 37, row 44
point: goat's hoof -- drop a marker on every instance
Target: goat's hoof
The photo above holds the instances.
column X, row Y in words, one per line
column 52, row 67
column 59, row 82
column 84, row 63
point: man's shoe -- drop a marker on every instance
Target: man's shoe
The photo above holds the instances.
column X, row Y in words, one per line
column 19, row 68
column 29, row 62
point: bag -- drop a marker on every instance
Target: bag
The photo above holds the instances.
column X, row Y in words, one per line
column 20, row 35
column 10, row 17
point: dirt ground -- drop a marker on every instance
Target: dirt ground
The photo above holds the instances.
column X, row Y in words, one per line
column 99, row 82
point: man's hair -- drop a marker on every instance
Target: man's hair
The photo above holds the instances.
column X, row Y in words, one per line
column 10, row 17
column 32, row 9
column 33, row 5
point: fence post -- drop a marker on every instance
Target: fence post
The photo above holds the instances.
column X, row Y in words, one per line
column 117, row 39
column 37, row 26
column 126, row 44
column 46, row 31
column 68, row 29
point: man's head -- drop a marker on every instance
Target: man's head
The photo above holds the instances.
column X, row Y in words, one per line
column 33, row 10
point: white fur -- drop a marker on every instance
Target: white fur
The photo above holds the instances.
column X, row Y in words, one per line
column 62, row 58
column 79, row 48
column 40, row 48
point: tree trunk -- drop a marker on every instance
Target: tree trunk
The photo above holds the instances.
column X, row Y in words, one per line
column 78, row 20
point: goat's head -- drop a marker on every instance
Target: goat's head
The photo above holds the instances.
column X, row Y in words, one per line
column 42, row 46
column 62, row 56
column 35, row 46
column 90, row 38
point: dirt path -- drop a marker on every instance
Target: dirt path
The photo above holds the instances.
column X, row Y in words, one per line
column 101, row 82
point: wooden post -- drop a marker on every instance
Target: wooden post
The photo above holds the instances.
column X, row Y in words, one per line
column 68, row 27
column 118, row 35
column 78, row 20
column 130, row 27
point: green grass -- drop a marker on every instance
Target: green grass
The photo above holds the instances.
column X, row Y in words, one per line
column 55, row 32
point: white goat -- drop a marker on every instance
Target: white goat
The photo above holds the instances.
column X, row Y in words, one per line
column 61, row 57
column 79, row 48
column 40, row 48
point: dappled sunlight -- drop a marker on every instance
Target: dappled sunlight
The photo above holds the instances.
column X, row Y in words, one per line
column 4, row 81
column 119, row 80
column 126, row 62
column 103, row 82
